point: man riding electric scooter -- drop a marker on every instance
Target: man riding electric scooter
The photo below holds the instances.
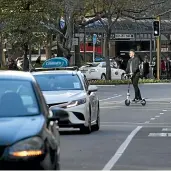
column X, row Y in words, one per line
column 134, row 70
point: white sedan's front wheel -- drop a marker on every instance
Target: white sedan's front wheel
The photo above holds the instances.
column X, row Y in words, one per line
column 97, row 125
column 87, row 129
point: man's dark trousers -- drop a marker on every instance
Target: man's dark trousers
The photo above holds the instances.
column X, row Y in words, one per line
column 135, row 79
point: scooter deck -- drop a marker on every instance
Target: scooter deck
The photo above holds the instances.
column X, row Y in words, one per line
column 138, row 102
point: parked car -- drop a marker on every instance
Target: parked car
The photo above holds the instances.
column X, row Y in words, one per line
column 28, row 129
column 70, row 90
column 97, row 71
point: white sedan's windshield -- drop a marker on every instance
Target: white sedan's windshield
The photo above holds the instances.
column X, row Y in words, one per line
column 58, row 82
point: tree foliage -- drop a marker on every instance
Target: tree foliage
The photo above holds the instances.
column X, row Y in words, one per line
column 35, row 21
column 22, row 19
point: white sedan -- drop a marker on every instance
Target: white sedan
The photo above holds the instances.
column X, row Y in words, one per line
column 71, row 91
column 97, row 71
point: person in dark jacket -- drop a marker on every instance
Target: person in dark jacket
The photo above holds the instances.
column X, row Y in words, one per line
column 133, row 69
column 12, row 64
column 168, row 68
column 146, row 67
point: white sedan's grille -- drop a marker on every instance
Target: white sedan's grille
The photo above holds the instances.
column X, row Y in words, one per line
column 57, row 104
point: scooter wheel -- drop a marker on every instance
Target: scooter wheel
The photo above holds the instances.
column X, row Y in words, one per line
column 143, row 102
column 127, row 102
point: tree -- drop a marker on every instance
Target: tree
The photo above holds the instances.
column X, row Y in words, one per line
column 22, row 19
column 74, row 12
column 109, row 11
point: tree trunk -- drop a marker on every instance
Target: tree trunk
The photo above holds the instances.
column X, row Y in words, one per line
column 26, row 61
column 48, row 52
column 48, row 46
column 30, row 55
column 108, row 67
column 59, row 50
column 30, row 50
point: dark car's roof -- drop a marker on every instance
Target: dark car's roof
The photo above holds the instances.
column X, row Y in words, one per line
column 16, row 75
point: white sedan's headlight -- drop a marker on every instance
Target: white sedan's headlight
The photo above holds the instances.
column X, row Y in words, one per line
column 76, row 103
column 27, row 148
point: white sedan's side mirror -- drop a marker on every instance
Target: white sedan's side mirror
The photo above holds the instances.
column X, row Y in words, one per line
column 92, row 88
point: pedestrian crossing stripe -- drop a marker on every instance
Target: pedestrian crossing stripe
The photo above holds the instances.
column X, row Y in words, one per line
column 159, row 135
column 166, row 129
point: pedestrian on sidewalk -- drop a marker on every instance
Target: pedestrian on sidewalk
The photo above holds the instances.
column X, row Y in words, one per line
column 133, row 68
column 146, row 68
column 168, row 68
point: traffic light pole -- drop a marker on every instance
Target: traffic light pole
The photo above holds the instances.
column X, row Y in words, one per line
column 158, row 52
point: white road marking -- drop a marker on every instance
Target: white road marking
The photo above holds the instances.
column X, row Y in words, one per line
column 157, row 116
column 161, row 113
column 169, row 134
column 157, row 135
column 121, row 149
column 152, row 119
column 164, row 110
column 147, row 122
column 166, row 129
column 110, row 98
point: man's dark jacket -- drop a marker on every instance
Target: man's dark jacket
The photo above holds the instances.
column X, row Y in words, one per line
column 135, row 65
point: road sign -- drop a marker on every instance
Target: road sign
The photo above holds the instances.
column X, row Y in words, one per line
column 55, row 62
column 75, row 41
column 94, row 39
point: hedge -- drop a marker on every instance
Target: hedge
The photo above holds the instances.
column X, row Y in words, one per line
column 118, row 82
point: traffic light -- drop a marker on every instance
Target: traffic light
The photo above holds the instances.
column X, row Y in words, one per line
column 156, row 28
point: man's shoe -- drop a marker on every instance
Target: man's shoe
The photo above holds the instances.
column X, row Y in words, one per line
column 134, row 100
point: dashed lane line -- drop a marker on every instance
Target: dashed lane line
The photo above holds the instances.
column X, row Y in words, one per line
column 152, row 119
column 161, row 113
column 164, row 110
column 147, row 122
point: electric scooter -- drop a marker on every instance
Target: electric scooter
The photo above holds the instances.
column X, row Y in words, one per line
column 128, row 101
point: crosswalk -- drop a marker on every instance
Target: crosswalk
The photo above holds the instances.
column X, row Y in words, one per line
column 165, row 132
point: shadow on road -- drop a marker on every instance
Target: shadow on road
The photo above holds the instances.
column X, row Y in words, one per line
column 76, row 132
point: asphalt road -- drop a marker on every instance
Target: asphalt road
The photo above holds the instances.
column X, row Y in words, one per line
column 131, row 138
